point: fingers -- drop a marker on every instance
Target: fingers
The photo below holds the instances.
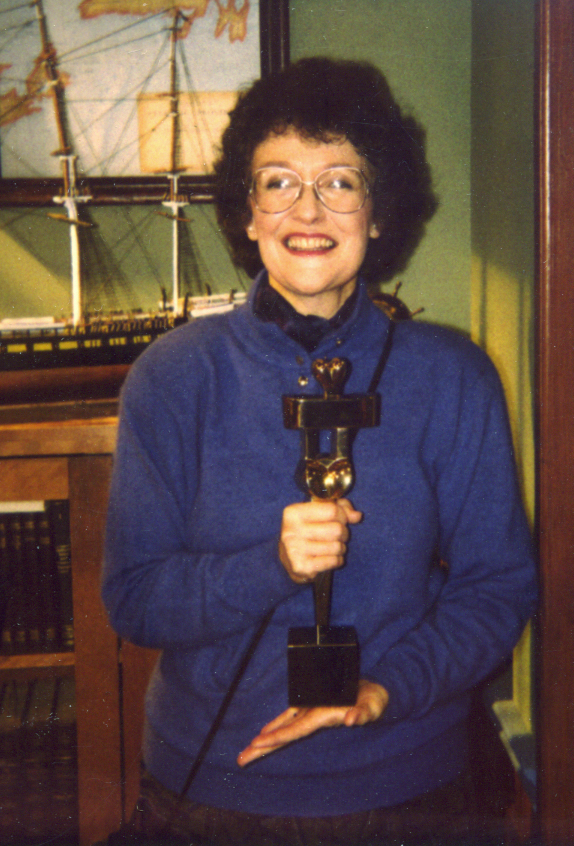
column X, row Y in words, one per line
column 303, row 563
column 314, row 537
column 353, row 516
column 327, row 531
column 297, row 723
column 372, row 701
column 291, row 725
column 283, row 719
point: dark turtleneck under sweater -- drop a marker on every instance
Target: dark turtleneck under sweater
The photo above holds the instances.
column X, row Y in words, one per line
column 307, row 329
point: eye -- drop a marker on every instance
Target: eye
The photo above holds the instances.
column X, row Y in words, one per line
column 277, row 180
column 340, row 184
column 340, row 181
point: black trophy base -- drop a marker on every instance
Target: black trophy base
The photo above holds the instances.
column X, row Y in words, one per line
column 323, row 666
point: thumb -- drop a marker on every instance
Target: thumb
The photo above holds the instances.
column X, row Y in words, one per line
column 351, row 513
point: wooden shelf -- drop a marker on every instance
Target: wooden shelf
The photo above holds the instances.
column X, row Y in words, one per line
column 37, row 664
column 76, row 428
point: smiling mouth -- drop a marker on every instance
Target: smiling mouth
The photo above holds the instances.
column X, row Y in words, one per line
column 302, row 243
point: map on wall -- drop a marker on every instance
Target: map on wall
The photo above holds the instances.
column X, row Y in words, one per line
column 145, row 86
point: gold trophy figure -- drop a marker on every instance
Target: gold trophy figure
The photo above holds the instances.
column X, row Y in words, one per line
column 323, row 660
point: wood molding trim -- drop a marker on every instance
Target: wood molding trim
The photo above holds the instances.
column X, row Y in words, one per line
column 556, row 421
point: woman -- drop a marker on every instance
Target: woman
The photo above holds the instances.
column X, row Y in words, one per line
column 322, row 186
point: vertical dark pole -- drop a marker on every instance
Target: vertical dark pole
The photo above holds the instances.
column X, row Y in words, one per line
column 274, row 34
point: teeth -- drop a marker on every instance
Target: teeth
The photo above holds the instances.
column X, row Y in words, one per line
column 300, row 242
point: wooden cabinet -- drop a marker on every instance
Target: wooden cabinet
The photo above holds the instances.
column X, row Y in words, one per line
column 65, row 451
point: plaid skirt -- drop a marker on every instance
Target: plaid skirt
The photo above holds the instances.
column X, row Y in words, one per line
column 442, row 817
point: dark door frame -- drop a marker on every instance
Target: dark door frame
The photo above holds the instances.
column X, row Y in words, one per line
column 555, row 413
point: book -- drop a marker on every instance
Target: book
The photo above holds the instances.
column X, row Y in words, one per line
column 49, row 605
column 59, row 521
column 36, row 606
column 22, row 596
column 16, row 613
column 31, row 600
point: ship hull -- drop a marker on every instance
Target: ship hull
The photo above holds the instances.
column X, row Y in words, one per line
column 75, row 358
column 52, row 366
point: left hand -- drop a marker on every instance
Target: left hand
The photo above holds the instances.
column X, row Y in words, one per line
column 295, row 723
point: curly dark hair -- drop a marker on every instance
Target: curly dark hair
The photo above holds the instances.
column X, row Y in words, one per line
column 325, row 99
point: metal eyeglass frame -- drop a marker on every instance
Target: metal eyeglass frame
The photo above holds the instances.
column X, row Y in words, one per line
column 314, row 184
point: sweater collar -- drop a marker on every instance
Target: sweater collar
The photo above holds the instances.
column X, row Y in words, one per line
column 360, row 335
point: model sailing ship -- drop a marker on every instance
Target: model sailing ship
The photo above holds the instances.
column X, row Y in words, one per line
column 108, row 344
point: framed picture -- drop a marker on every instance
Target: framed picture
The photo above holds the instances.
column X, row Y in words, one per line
column 120, row 99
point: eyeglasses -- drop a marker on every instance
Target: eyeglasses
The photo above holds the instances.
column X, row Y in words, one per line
column 340, row 189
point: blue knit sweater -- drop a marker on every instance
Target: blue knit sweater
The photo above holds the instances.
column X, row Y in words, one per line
column 203, row 470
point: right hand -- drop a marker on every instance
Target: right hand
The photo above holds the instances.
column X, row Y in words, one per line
column 296, row 723
column 314, row 537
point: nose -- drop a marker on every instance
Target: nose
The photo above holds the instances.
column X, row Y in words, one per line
column 308, row 206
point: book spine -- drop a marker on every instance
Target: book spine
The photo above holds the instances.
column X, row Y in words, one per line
column 59, row 519
column 48, row 585
column 17, row 609
column 31, row 599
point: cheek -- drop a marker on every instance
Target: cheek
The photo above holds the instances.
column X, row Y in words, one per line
column 262, row 227
column 358, row 235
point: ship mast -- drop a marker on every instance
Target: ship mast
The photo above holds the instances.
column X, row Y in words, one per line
column 71, row 198
column 176, row 201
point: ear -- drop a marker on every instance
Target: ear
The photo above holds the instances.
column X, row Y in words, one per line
column 251, row 230
column 374, row 230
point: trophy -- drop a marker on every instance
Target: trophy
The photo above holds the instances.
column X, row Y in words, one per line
column 323, row 660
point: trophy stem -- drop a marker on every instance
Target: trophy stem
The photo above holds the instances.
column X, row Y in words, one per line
column 322, row 594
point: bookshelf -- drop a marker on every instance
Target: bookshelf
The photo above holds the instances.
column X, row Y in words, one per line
column 63, row 451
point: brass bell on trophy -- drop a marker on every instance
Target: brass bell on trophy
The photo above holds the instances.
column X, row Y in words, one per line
column 323, row 660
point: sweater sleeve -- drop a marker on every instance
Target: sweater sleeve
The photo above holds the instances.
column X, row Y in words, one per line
column 158, row 589
column 490, row 588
